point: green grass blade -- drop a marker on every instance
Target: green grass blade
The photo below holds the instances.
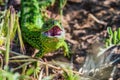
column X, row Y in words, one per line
column 109, row 30
column 118, row 35
column 7, row 39
column 114, row 37
column 5, row 24
column 61, row 5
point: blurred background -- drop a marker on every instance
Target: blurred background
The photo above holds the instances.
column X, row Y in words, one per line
column 85, row 23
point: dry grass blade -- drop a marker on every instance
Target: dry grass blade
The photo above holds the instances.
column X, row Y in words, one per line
column 41, row 62
column 8, row 29
column 22, row 47
column 28, row 60
column 2, row 38
column 41, row 74
column 21, row 66
column 12, row 23
column 19, row 57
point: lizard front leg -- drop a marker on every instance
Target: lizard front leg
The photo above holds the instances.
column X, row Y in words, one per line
column 66, row 49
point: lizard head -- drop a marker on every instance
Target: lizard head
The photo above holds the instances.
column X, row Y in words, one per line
column 53, row 29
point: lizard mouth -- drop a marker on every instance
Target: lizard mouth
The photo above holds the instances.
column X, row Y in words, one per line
column 54, row 32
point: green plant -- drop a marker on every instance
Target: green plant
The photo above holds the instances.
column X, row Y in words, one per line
column 44, row 4
column 8, row 74
column 8, row 31
column 114, row 37
column 69, row 75
column 9, row 27
column 1, row 2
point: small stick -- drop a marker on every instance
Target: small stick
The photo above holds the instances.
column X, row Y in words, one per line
column 47, row 70
column 44, row 63
column 71, row 41
column 98, row 21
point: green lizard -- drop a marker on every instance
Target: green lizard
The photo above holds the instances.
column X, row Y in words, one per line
column 45, row 35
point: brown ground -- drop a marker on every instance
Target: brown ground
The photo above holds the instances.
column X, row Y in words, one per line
column 85, row 22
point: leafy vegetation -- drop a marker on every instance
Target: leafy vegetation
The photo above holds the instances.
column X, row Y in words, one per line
column 27, row 67
column 30, row 67
column 114, row 37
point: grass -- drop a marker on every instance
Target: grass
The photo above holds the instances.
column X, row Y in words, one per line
column 114, row 37
column 27, row 67
column 31, row 68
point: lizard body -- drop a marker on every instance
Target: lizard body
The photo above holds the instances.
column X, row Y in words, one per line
column 47, row 36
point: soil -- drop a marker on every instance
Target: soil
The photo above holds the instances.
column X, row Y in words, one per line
column 85, row 23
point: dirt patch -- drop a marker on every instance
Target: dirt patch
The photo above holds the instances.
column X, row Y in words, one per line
column 85, row 23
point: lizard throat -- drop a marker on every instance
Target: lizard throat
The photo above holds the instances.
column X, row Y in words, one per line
column 54, row 32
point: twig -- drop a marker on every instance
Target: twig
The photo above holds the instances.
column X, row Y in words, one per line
column 71, row 41
column 46, row 68
column 49, row 65
column 98, row 21
column 22, row 66
column 41, row 74
column 44, row 63
column 27, row 60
